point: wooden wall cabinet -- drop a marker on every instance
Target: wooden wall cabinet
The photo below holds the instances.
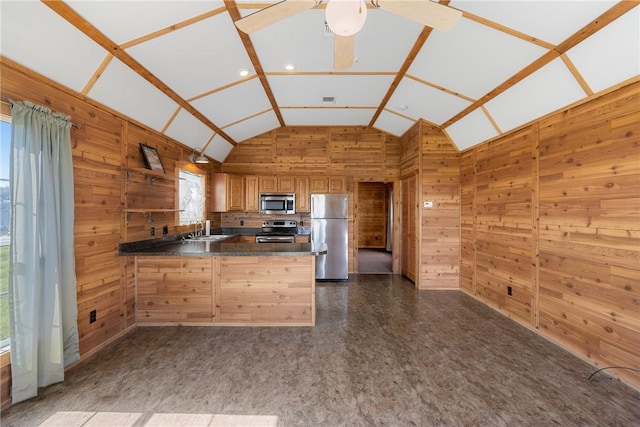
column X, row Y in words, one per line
column 228, row 192
column 303, row 203
column 277, row 184
column 286, row 184
column 331, row 184
column 268, row 184
column 251, row 193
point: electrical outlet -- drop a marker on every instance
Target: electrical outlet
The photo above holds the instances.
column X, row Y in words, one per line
column 509, row 290
column 92, row 316
column 152, row 231
column 242, row 222
column 301, row 223
column 165, row 229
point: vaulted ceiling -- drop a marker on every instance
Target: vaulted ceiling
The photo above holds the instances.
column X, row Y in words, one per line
column 174, row 65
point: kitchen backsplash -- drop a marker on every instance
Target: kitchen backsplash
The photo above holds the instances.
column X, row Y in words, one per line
column 254, row 219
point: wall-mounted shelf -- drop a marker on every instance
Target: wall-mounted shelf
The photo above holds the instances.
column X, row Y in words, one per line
column 152, row 175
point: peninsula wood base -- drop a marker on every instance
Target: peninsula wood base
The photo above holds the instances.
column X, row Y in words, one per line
column 225, row 291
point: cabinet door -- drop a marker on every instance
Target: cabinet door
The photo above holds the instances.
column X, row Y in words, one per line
column 337, row 184
column 409, row 228
column 251, row 187
column 302, row 194
column 319, row 184
column 236, row 193
column 268, row 184
column 286, row 184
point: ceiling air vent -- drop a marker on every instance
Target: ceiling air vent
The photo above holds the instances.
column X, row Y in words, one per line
column 327, row 100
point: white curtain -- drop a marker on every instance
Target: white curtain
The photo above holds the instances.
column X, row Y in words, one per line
column 42, row 281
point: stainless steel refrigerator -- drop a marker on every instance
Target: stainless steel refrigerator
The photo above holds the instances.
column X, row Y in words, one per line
column 329, row 224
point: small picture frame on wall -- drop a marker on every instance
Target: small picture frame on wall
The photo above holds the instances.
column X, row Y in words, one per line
column 151, row 158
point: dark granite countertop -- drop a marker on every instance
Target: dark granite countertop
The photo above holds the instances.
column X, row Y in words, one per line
column 178, row 247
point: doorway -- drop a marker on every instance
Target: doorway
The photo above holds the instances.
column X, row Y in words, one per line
column 375, row 227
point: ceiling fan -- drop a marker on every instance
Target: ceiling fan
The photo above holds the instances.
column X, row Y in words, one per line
column 346, row 18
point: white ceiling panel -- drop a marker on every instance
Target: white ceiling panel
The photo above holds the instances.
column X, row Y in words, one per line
column 191, row 64
column 254, row 126
column 610, row 56
column 127, row 92
column 327, row 116
column 393, row 123
column 348, row 90
column 545, row 91
column 234, row 103
column 189, row 130
column 219, row 148
column 472, row 59
column 382, row 44
column 472, row 129
column 35, row 36
column 416, row 100
column 298, row 40
column 123, row 21
column 550, row 21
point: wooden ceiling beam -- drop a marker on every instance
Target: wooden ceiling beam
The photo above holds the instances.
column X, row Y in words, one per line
column 71, row 16
column 588, row 30
column 232, row 8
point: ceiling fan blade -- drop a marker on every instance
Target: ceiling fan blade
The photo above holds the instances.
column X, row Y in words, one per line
column 272, row 14
column 343, row 48
column 426, row 12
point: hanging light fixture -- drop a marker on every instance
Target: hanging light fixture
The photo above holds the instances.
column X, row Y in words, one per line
column 200, row 158
column 346, row 17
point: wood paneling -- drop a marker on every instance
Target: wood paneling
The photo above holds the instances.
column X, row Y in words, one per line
column 589, row 245
column 267, row 290
column 439, row 233
column 504, row 223
column 553, row 211
column 175, row 289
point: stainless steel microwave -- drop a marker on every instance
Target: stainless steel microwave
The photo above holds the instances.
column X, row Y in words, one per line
column 277, row 203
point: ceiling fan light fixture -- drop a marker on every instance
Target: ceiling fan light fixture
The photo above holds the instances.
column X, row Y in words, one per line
column 346, row 17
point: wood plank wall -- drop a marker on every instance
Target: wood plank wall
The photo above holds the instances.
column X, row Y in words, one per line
column 553, row 211
column 439, row 250
column 104, row 145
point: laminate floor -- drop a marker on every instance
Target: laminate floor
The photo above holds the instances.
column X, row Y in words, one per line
column 382, row 353
column 374, row 261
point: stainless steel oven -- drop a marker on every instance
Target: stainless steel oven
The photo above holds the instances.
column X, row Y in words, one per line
column 277, row 231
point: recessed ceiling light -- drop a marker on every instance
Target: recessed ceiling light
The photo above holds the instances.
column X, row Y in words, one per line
column 289, row 67
column 403, row 107
column 244, row 72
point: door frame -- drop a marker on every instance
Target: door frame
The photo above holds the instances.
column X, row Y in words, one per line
column 397, row 222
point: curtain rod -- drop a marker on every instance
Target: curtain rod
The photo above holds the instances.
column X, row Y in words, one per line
column 9, row 101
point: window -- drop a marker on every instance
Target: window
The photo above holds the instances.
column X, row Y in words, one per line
column 192, row 197
column 5, row 221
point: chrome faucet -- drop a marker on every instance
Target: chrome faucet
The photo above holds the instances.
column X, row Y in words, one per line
column 197, row 233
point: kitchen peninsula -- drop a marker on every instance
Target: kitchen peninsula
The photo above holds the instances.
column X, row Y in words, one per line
column 205, row 282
